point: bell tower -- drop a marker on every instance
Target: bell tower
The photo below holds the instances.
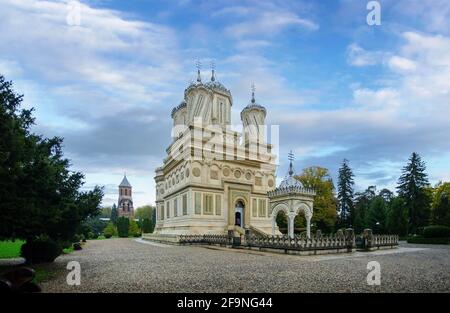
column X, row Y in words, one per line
column 125, row 203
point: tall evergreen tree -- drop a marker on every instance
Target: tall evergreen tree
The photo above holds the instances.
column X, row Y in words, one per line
column 114, row 214
column 40, row 195
column 345, row 195
column 412, row 187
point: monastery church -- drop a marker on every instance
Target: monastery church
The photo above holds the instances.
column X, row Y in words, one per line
column 233, row 191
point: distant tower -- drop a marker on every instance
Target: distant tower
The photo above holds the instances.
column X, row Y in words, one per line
column 125, row 203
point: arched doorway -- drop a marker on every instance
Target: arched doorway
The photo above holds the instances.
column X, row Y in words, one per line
column 239, row 214
column 281, row 221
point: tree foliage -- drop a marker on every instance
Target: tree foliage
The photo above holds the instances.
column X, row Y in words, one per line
column 441, row 204
column 144, row 212
column 412, row 187
column 123, row 225
column 114, row 214
column 345, row 194
column 39, row 194
column 318, row 178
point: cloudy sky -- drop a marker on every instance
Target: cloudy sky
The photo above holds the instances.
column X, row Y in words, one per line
column 337, row 87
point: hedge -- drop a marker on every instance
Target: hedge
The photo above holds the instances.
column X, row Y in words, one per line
column 435, row 241
column 436, row 231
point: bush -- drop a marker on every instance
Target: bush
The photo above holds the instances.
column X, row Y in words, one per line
column 147, row 225
column 110, row 230
column 40, row 250
column 435, row 241
column 123, row 224
column 436, row 231
column 133, row 229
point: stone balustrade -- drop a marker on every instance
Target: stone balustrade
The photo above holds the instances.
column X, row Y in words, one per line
column 375, row 242
column 290, row 189
column 302, row 243
column 205, row 239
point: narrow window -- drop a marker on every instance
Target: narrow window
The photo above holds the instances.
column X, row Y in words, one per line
column 185, row 204
column 168, row 209
column 207, row 204
column 218, row 205
column 175, row 207
column 254, row 208
column 262, row 207
column 198, row 203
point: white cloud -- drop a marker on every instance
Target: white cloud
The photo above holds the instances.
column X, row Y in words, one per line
column 269, row 23
column 401, row 64
column 358, row 56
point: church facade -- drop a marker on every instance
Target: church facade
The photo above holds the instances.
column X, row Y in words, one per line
column 215, row 180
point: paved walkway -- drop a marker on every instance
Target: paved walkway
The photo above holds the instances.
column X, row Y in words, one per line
column 127, row 265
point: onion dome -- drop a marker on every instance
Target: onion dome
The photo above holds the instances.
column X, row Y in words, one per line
column 253, row 105
column 178, row 107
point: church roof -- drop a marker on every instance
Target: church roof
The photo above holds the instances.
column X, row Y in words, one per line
column 125, row 182
column 290, row 185
column 253, row 105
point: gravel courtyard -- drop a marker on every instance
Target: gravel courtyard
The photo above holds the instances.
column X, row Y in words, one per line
column 125, row 265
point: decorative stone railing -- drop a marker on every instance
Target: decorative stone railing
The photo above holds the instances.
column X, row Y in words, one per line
column 339, row 241
column 204, row 239
column 369, row 241
column 291, row 189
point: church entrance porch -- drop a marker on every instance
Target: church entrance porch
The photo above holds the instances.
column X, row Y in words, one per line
column 239, row 214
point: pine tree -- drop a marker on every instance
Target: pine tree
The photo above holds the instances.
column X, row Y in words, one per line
column 412, row 187
column 345, row 195
column 114, row 214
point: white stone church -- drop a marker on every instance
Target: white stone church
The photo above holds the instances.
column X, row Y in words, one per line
column 214, row 179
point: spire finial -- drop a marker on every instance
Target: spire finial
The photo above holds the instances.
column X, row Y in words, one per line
column 253, row 92
column 198, row 64
column 291, row 167
column 213, row 68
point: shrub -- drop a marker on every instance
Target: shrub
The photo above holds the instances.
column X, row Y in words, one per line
column 133, row 229
column 436, row 231
column 110, row 230
column 123, row 224
column 40, row 250
column 147, row 225
column 435, row 241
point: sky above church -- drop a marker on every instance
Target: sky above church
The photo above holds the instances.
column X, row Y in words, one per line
column 338, row 87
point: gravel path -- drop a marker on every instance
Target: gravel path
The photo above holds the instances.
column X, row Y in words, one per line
column 125, row 265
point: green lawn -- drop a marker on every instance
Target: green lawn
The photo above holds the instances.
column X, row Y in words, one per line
column 10, row 249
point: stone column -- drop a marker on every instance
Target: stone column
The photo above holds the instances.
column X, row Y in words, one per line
column 291, row 218
column 274, row 223
column 308, row 226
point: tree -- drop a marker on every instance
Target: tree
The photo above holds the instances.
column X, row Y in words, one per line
column 318, row 178
column 133, row 229
column 441, row 204
column 147, row 226
column 397, row 217
column 412, row 187
column 39, row 193
column 386, row 194
column 106, row 212
column 376, row 216
column 123, row 225
column 345, row 195
column 110, row 230
column 114, row 214
column 144, row 212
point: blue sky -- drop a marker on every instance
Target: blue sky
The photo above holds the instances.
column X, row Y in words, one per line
column 337, row 87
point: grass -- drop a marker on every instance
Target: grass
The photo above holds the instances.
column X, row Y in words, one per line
column 10, row 249
column 43, row 271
